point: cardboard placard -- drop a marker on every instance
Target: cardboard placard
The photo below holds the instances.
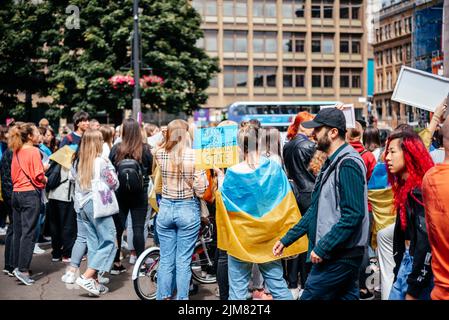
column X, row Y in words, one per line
column 420, row 89
column 348, row 111
column 216, row 147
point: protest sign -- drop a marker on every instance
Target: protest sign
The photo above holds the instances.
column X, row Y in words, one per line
column 420, row 89
column 348, row 111
column 216, row 147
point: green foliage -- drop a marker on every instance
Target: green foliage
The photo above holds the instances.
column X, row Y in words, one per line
column 80, row 61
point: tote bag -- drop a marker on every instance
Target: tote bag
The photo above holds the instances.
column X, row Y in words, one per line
column 104, row 201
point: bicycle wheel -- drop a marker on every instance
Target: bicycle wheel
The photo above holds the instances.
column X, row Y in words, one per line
column 202, row 271
column 145, row 276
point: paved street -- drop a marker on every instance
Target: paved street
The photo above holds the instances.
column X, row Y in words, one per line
column 49, row 286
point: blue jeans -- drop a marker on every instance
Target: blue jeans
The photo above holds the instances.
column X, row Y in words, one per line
column 400, row 286
column 334, row 280
column 178, row 224
column 40, row 221
column 101, row 238
column 239, row 273
column 80, row 246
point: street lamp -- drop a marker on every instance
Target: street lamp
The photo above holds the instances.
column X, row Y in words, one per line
column 136, row 64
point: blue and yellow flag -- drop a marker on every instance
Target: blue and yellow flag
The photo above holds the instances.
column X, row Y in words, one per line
column 254, row 210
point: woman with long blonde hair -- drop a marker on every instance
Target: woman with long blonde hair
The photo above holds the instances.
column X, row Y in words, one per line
column 178, row 219
column 100, row 231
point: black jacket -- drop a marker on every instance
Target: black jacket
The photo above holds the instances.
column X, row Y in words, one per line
column 297, row 155
column 5, row 172
column 421, row 275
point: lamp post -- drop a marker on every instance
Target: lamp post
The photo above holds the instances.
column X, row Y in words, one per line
column 136, row 64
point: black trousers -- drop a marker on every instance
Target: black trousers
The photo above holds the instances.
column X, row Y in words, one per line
column 294, row 266
column 9, row 251
column 62, row 218
column 222, row 274
column 138, row 206
column 26, row 208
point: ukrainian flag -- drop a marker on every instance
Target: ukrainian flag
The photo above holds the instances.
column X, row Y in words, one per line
column 254, row 210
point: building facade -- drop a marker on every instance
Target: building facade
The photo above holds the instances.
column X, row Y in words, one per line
column 290, row 50
column 392, row 50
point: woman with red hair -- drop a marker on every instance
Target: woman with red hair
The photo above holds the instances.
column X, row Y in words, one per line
column 407, row 161
column 296, row 127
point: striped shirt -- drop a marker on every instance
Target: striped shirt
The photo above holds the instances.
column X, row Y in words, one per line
column 180, row 181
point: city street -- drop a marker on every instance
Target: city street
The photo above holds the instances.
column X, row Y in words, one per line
column 48, row 285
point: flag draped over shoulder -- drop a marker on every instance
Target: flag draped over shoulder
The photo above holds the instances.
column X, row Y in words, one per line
column 254, row 210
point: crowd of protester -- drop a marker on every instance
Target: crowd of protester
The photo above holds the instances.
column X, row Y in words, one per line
column 310, row 218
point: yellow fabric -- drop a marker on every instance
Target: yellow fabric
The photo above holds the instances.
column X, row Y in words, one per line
column 383, row 211
column 216, row 157
column 157, row 189
column 252, row 239
column 426, row 137
column 63, row 156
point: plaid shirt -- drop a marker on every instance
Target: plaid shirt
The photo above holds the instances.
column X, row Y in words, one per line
column 183, row 181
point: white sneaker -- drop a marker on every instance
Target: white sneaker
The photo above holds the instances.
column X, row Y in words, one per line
column 217, row 292
column 3, row 231
column 38, row 250
column 132, row 259
column 69, row 277
column 295, row 293
column 124, row 245
column 102, row 288
column 90, row 285
column 301, row 291
column 102, row 280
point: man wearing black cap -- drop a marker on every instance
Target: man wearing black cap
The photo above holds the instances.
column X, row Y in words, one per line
column 337, row 222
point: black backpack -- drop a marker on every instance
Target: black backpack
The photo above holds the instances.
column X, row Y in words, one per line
column 130, row 176
column 53, row 175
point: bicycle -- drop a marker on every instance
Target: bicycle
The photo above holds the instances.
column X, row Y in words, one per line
column 144, row 274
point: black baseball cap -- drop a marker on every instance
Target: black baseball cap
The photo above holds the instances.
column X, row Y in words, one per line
column 329, row 117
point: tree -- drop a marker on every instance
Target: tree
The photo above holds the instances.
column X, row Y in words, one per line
column 23, row 28
column 81, row 61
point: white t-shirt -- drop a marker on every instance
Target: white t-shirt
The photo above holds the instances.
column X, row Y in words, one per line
column 106, row 151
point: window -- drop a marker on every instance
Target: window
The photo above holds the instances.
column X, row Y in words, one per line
column 408, row 52
column 350, row 44
column 379, row 82
column 328, row 44
column 379, row 61
column 213, row 83
column 344, row 46
column 264, row 8
column 234, row 8
column 293, row 9
column 293, row 42
column 323, row 43
column 322, row 78
column 264, row 76
column 350, row 9
column 322, row 9
column 235, row 76
column 350, row 78
column 209, row 42
column 316, row 45
column 205, row 7
column 399, row 54
column 379, row 109
column 293, row 77
column 235, row 41
column 389, row 84
column 265, row 42
column 344, row 80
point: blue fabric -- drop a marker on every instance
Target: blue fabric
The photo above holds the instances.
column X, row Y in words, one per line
column 400, row 286
column 45, row 149
column 101, row 238
column 255, row 193
column 80, row 246
column 379, row 177
column 332, row 281
column 178, row 223
column 239, row 273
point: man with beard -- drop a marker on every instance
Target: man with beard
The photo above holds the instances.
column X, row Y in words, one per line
column 337, row 222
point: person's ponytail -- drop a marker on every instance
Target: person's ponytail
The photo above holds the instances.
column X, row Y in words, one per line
column 19, row 135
